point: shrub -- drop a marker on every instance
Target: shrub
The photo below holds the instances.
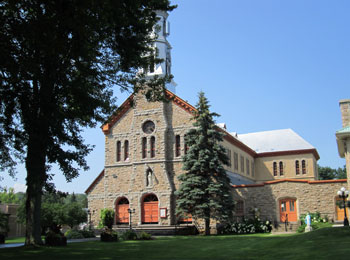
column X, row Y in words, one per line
column 87, row 233
column 73, row 234
column 249, row 226
column 315, row 217
column 144, row 236
column 129, row 235
column 314, row 226
column 109, row 235
column 55, row 239
column 107, row 218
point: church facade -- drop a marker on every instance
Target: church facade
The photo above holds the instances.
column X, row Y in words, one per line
column 273, row 173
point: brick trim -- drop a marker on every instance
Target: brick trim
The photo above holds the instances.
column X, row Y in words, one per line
column 292, row 152
column 288, row 180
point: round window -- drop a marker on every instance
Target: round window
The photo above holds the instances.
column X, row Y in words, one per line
column 148, row 127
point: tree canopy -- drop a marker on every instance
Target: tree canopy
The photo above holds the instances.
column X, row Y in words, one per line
column 59, row 63
column 204, row 190
column 328, row 173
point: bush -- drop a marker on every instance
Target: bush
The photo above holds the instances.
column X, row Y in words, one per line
column 55, row 239
column 78, row 234
column 109, row 236
column 315, row 217
column 129, row 235
column 144, row 236
column 87, row 233
column 73, row 234
column 249, row 226
column 107, row 218
column 314, row 226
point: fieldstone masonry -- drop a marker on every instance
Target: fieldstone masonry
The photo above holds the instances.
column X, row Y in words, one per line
column 136, row 176
column 310, row 196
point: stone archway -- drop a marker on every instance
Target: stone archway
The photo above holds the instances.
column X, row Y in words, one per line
column 150, row 209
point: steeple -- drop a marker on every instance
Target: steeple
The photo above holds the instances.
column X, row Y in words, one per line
column 163, row 50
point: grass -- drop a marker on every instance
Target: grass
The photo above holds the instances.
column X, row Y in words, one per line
column 326, row 243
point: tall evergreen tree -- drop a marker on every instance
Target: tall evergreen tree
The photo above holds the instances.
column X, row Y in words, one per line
column 204, row 191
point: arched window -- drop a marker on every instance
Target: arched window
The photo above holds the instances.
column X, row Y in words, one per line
column 177, row 146
column 274, row 169
column 118, row 151
column 153, row 147
column 281, row 169
column 297, row 168
column 303, row 166
column 144, row 147
column 126, row 150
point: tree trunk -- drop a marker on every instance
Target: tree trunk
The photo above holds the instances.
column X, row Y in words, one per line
column 207, row 226
column 36, row 177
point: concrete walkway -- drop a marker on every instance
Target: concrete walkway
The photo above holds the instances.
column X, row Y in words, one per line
column 10, row 245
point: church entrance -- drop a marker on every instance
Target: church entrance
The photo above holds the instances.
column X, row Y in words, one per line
column 150, row 209
column 340, row 209
column 288, row 211
column 121, row 211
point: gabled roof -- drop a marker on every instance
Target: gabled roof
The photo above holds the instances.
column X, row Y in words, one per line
column 284, row 141
column 128, row 103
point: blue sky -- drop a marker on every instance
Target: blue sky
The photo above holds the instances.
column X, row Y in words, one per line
column 263, row 65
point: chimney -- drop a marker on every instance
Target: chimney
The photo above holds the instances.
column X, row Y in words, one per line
column 345, row 111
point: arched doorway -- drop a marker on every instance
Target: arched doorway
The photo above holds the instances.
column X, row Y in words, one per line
column 121, row 211
column 150, row 209
column 288, row 210
column 340, row 209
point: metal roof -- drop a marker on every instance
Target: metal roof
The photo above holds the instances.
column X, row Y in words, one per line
column 274, row 141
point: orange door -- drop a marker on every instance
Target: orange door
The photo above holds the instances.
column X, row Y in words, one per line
column 288, row 210
column 150, row 212
column 122, row 213
column 340, row 210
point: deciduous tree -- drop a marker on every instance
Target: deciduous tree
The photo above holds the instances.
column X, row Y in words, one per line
column 59, row 60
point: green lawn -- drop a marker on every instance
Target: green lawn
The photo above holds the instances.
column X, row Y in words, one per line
column 326, row 243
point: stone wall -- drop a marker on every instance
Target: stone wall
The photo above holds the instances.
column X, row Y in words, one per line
column 311, row 196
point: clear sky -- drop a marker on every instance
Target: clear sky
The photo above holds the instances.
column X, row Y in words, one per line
column 263, row 65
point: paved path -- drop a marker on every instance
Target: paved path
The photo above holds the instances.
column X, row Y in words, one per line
column 68, row 241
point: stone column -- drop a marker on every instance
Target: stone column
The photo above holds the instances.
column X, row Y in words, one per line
column 345, row 111
column 345, row 116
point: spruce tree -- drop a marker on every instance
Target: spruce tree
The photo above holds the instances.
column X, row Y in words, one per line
column 204, row 191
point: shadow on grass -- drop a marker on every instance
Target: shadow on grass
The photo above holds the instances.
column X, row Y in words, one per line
column 327, row 243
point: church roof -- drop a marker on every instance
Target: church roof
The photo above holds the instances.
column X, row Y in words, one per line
column 128, row 104
column 276, row 141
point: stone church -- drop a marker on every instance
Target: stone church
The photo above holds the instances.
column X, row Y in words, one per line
column 272, row 172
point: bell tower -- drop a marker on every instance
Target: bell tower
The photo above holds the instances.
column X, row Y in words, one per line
column 163, row 47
